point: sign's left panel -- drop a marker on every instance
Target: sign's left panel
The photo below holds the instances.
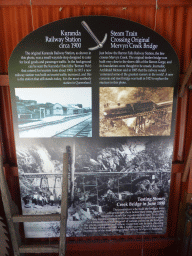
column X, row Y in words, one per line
column 51, row 93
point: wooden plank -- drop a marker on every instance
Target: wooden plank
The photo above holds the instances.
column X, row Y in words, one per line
column 99, row 2
column 4, row 80
column 100, row 246
column 7, row 201
column 189, row 181
column 185, row 79
column 54, row 248
column 7, row 126
column 14, row 2
column 181, row 124
column 36, row 218
column 63, row 223
column 174, row 200
column 115, row 246
column 187, row 165
column 38, row 175
column 177, row 167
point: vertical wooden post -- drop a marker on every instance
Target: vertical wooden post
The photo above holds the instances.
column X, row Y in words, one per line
column 185, row 79
column 7, row 201
column 187, row 165
column 64, row 197
column 72, row 173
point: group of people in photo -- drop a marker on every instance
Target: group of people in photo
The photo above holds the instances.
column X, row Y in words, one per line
column 40, row 198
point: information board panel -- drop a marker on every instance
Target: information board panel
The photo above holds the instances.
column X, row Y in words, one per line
column 103, row 89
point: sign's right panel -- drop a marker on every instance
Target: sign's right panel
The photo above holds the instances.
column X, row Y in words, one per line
column 122, row 174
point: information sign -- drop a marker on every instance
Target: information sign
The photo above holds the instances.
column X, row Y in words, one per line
column 103, row 89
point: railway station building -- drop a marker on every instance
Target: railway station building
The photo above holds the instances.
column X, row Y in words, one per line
column 33, row 110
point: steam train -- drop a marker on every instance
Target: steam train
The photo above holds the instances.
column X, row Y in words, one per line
column 133, row 109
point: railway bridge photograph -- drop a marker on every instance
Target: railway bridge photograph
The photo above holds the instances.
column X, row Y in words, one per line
column 135, row 111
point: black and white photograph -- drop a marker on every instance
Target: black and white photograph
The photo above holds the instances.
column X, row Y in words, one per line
column 112, row 183
column 54, row 112
column 135, row 111
column 40, row 165
column 117, row 180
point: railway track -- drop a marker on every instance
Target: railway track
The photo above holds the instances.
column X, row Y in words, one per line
column 65, row 119
column 81, row 129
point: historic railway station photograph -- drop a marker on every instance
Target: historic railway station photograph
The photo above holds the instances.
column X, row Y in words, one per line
column 135, row 111
column 54, row 112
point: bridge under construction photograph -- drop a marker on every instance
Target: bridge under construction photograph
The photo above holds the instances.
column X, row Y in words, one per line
column 54, row 112
column 135, row 111
column 104, row 179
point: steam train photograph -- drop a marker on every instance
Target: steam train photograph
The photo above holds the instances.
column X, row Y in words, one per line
column 135, row 111
column 128, row 109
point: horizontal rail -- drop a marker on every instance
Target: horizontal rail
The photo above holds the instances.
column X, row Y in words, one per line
column 36, row 218
column 109, row 173
column 41, row 174
column 54, row 248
